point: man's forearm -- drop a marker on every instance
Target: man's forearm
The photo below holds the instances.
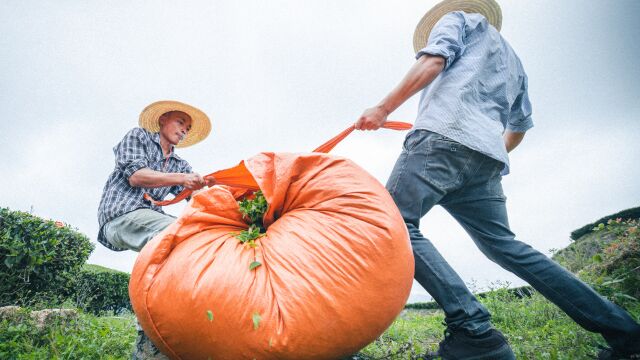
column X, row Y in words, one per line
column 421, row 74
column 148, row 178
column 512, row 139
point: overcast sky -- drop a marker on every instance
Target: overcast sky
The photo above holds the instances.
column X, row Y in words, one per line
column 288, row 75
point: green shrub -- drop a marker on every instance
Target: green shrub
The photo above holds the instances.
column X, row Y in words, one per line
column 38, row 258
column 430, row 305
column 614, row 272
column 633, row 213
column 99, row 289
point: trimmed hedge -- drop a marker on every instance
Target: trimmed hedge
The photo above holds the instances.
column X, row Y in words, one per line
column 430, row 305
column 100, row 289
column 39, row 258
column 519, row 292
column 633, row 213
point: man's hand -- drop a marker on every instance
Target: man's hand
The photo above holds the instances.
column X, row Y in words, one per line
column 372, row 118
column 512, row 139
column 210, row 180
column 193, row 181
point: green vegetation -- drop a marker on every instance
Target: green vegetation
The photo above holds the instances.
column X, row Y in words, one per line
column 253, row 207
column 628, row 214
column 38, row 258
column 535, row 328
column 87, row 337
column 608, row 257
column 99, row 289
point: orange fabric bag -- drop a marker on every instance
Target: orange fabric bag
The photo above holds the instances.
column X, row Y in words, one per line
column 337, row 265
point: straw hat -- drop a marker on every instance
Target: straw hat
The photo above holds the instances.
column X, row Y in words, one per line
column 200, row 124
column 487, row 8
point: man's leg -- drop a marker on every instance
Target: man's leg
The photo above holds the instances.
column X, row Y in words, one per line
column 132, row 231
column 415, row 193
column 480, row 209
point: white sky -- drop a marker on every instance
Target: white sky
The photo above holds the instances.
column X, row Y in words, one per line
column 288, row 75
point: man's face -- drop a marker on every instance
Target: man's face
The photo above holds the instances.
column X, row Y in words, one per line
column 174, row 126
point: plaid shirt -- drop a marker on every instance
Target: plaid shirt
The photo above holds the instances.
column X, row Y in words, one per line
column 138, row 149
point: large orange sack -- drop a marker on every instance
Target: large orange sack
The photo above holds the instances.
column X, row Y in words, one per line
column 337, row 267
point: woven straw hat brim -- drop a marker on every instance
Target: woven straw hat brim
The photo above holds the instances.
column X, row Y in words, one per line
column 488, row 8
column 200, row 123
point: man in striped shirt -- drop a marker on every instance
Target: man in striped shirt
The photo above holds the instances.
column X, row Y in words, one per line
column 473, row 110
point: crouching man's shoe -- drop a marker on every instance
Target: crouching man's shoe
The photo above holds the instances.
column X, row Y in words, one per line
column 627, row 347
column 460, row 345
column 146, row 350
column 610, row 354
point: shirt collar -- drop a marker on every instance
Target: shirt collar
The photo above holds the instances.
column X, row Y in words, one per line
column 156, row 138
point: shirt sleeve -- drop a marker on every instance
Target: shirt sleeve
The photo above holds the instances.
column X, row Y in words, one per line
column 446, row 38
column 130, row 153
column 185, row 168
column 520, row 116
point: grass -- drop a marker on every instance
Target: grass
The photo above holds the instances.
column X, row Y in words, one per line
column 87, row 337
column 608, row 258
column 535, row 328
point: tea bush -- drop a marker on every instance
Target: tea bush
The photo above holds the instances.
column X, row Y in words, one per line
column 38, row 258
column 628, row 214
column 99, row 289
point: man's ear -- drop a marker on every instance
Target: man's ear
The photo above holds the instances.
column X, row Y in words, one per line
column 162, row 119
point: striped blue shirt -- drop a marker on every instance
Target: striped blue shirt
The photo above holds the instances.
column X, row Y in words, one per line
column 138, row 149
column 482, row 90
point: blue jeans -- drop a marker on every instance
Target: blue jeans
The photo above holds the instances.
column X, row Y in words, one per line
column 435, row 170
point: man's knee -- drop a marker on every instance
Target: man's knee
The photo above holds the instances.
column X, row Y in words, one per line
column 133, row 230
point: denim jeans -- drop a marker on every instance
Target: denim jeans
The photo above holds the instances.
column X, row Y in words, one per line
column 435, row 170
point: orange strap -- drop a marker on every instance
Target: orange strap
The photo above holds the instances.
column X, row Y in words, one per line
column 240, row 177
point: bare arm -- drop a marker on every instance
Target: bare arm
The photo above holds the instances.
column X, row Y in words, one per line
column 512, row 139
column 421, row 74
column 148, row 178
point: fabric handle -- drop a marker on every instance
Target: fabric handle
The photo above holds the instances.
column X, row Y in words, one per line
column 240, row 177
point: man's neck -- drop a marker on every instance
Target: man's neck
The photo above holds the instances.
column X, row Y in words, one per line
column 166, row 146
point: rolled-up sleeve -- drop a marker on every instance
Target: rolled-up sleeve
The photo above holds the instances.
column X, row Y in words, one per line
column 185, row 168
column 446, row 38
column 130, row 153
column 520, row 117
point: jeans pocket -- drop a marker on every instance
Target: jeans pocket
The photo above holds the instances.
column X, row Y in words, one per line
column 413, row 139
column 447, row 162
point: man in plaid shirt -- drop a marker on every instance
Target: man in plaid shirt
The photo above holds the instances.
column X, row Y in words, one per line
column 147, row 163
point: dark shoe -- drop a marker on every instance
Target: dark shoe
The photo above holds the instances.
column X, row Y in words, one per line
column 626, row 347
column 146, row 350
column 610, row 354
column 460, row 345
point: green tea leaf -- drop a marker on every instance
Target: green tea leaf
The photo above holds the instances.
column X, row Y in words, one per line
column 256, row 320
column 628, row 297
column 254, row 265
column 611, row 282
column 210, row 315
